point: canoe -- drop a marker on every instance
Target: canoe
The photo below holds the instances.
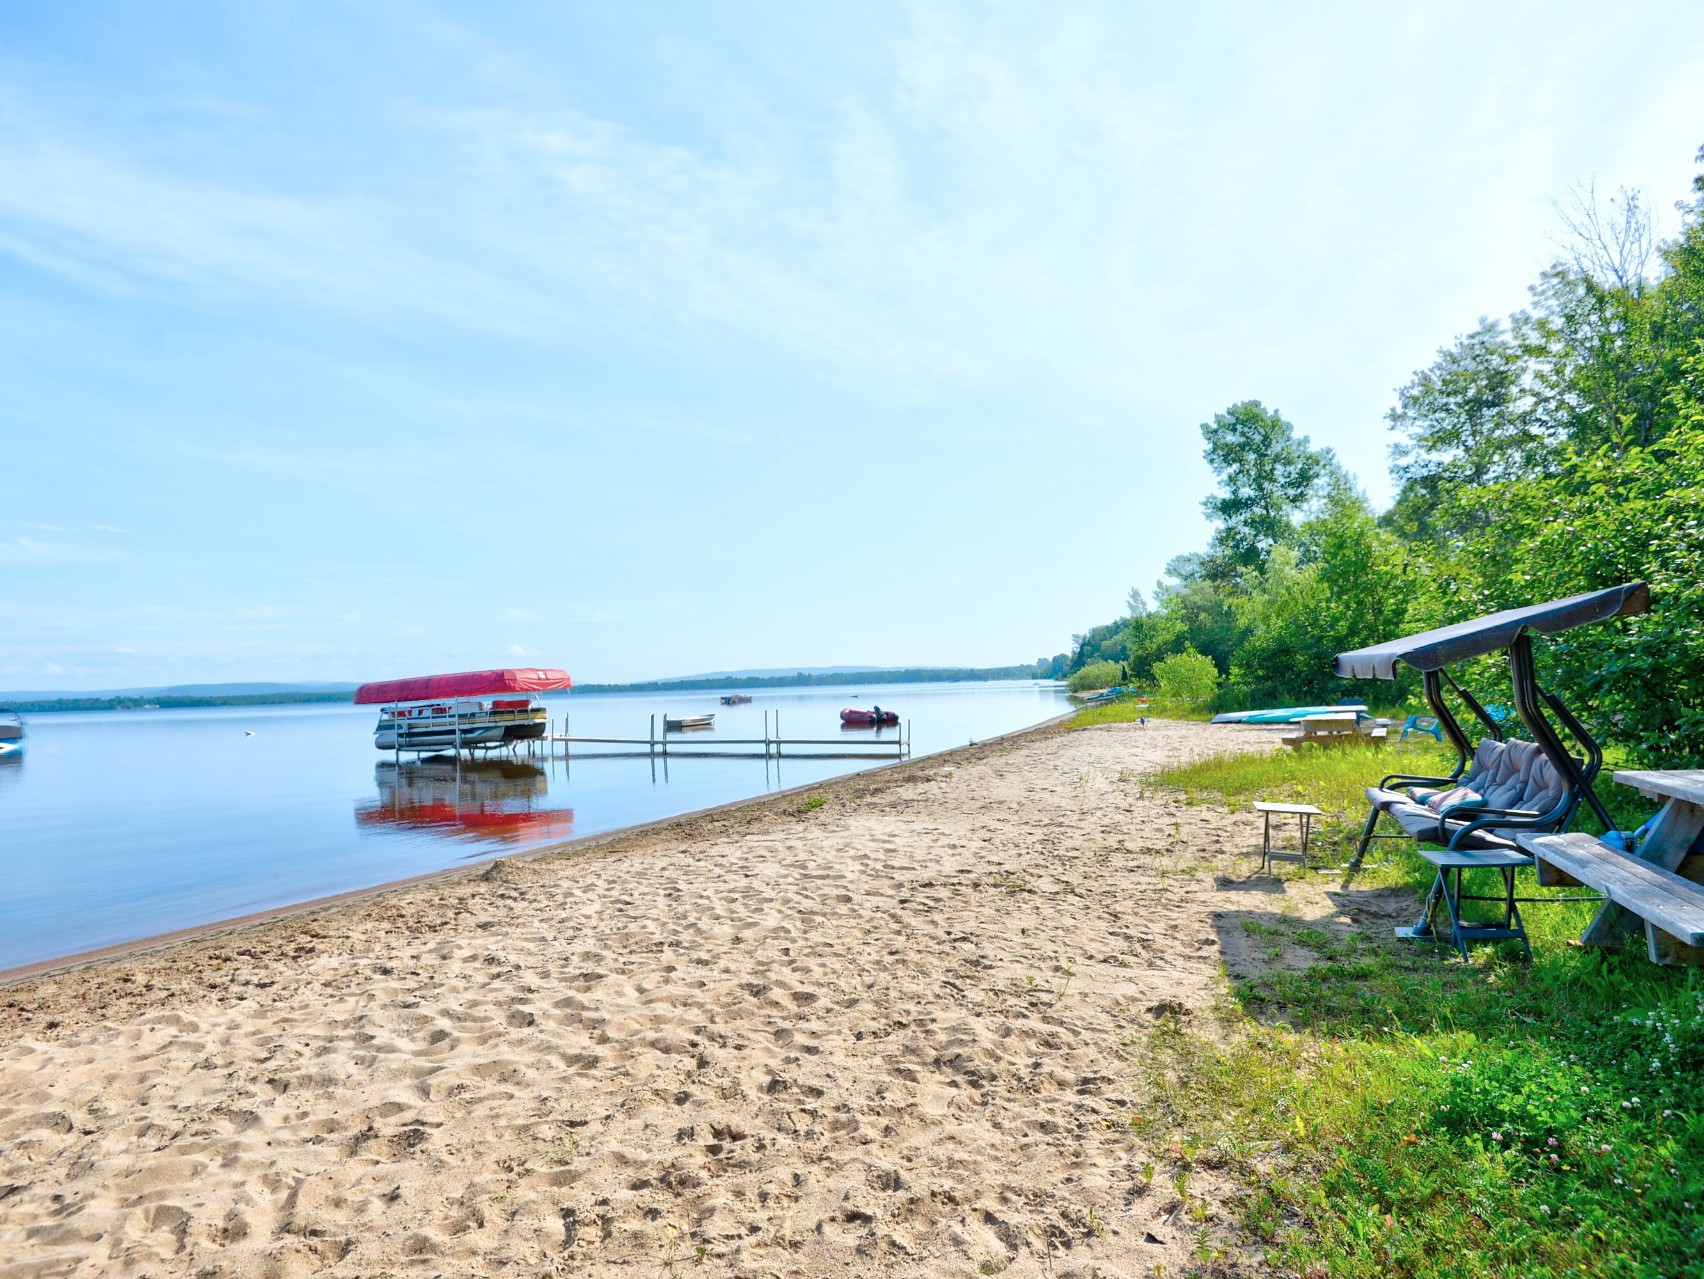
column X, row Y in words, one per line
column 853, row 716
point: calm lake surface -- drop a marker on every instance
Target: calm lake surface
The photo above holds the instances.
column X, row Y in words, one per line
column 116, row 826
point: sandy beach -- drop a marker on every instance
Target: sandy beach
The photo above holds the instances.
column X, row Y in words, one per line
column 888, row 1027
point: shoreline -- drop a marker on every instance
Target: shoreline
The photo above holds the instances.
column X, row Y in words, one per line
column 23, row 973
column 898, row 1032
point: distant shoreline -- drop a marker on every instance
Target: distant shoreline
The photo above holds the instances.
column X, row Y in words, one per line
column 914, row 675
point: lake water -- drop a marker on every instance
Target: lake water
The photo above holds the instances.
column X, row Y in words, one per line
column 116, row 826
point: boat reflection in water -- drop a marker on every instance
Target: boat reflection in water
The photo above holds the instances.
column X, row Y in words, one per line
column 480, row 801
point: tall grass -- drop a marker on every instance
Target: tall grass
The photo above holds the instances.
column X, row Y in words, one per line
column 1393, row 1111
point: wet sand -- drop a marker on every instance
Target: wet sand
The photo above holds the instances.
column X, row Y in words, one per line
column 888, row 1027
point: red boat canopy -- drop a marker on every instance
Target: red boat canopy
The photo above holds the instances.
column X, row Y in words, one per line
column 426, row 688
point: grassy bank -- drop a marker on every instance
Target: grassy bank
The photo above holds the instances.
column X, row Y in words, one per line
column 1389, row 1110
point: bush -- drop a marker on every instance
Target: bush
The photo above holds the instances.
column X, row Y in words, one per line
column 1185, row 679
column 1095, row 675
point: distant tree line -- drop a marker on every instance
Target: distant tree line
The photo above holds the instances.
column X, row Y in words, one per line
column 164, row 701
column 913, row 675
column 1557, row 451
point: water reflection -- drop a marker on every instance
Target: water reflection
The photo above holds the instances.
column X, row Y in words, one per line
column 479, row 800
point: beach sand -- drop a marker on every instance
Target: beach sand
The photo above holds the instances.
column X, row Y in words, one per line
column 894, row 1032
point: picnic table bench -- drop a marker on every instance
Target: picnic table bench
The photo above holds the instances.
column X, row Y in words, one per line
column 1661, row 886
column 1334, row 729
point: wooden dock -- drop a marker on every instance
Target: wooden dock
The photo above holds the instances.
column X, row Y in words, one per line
column 698, row 744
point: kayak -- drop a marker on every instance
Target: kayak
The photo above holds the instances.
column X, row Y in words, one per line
column 851, row 716
column 1284, row 714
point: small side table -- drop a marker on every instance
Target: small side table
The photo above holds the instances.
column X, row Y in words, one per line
column 1305, row 812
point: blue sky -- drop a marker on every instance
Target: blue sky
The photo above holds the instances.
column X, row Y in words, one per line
column 341, row 342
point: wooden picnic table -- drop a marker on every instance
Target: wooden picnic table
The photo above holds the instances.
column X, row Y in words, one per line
column 1655, row 884
column 1676, row 838
column 1332, row 728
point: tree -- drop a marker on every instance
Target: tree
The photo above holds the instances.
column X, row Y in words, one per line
column 1267, row 474
column 1466, row 421
column 1151, row 637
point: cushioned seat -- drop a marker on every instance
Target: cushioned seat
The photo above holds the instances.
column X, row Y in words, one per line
column 1508, row 780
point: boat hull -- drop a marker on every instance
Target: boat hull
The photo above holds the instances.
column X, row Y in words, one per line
column 851, row 715
column 463, row 726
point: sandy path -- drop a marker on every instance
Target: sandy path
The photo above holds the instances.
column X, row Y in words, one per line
column 890, row 1034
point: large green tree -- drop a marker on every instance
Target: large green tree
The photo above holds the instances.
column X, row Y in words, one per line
column 1267, row 476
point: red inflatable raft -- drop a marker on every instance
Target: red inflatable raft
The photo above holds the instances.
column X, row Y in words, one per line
column 878, row 716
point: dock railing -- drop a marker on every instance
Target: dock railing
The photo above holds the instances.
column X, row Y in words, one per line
column 695, row 743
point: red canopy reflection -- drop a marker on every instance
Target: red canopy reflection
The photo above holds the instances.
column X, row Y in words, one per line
column 475, row 800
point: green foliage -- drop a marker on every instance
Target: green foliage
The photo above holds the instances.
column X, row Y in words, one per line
column 1096, row 675
column 1152, row 636
column 1185, row 679
column 1557, row 452
column 1267, row 474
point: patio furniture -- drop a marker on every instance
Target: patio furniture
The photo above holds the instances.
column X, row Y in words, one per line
column 1421, row 724
column 1305, row 812
column 1512, row 787
column 1658, row 888
column 1335, row 728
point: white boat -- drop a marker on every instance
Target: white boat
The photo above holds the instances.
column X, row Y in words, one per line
column 468, row 711
column 462, row 724
column 686, row 723
column 11, row 732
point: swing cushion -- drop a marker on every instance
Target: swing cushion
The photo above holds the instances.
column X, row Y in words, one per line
column 1455, row 797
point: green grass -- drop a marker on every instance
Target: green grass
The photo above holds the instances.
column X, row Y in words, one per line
column 1127, row 710
column 1394, row 1111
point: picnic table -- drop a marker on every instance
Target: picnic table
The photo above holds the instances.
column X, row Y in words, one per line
column 1659, row 886
column 1334, row 728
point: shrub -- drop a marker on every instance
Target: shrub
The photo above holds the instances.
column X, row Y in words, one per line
column 1185, row 679
column 1095, row 675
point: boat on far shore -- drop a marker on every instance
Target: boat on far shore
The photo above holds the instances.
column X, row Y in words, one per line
column 735, row 699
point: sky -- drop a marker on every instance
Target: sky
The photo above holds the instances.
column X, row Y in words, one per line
column 341, row 342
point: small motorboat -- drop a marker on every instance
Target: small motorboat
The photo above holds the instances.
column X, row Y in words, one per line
column 687, row 723
column 11, row 732
column 735, row 699
column 870, row 718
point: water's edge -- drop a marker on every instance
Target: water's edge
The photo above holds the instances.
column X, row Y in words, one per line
column 242, row 923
